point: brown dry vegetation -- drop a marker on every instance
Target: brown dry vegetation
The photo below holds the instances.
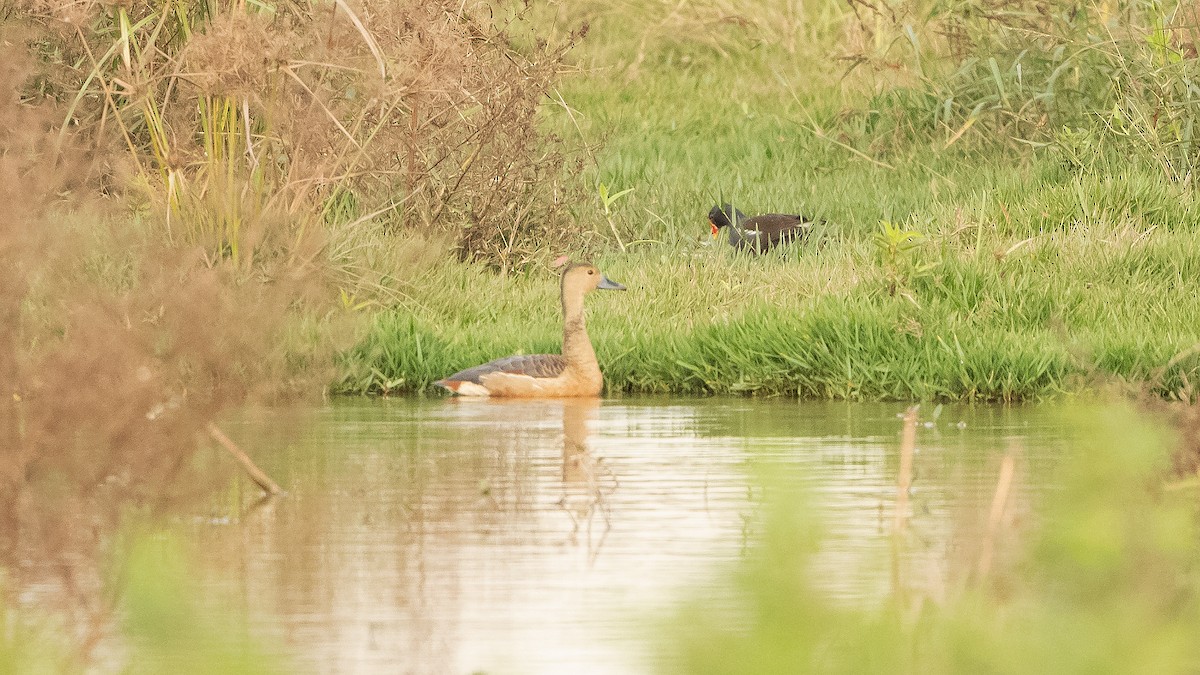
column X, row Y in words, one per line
column 250, row 126
column 117, row 351
column 1186, row 459
column 1183, row 416
column 185, row 186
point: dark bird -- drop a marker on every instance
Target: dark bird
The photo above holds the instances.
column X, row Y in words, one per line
column 760, row 233
column 573, row 373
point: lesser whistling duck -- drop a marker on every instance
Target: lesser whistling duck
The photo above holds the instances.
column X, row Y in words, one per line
column 575, row 372
column 760, row 233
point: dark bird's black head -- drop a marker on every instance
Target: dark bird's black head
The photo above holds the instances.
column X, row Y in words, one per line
column 720, row 215
column 724, row 216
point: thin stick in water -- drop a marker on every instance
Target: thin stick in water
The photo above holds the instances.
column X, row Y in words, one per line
column 256, row 474
column 999, row 503
column 908, row 443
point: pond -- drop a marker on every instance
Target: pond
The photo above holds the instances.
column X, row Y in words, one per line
column 462, row 536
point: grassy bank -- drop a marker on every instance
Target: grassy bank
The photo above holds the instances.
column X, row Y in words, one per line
column 1038, row 266
column 1054, row 318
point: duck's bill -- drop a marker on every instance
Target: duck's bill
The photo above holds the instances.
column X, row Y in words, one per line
column 607, row 284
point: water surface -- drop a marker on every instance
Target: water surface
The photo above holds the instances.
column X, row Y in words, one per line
column 457, row 536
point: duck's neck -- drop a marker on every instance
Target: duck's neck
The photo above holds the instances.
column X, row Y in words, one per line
column 577, row 347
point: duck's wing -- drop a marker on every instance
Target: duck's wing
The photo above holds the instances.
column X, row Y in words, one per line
column 533, row 365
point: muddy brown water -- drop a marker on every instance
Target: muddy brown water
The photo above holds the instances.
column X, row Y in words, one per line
column 451, row 536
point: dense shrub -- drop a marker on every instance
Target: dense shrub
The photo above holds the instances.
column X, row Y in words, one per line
column 249, row 123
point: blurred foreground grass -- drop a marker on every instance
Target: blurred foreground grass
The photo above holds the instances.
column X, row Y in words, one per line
column 164, row 622
column 1104, row 580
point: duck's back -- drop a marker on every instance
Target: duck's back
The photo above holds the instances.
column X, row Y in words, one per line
column 533, row 365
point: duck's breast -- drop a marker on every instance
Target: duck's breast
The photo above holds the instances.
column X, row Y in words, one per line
column 568, row 384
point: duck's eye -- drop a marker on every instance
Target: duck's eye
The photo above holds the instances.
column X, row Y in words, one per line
column 591, row 271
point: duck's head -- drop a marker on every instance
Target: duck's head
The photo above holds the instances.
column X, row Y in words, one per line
column 721, row 216
column 581, row 278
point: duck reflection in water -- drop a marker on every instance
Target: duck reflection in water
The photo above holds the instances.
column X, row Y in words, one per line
column 586, row 479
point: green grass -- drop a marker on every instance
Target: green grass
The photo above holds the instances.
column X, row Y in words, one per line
column 1046, row 273
column 1050, row 317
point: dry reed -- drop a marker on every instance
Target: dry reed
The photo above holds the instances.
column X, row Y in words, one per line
column 252, row 125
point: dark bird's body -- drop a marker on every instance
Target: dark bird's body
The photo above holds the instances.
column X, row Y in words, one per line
column 760, row 233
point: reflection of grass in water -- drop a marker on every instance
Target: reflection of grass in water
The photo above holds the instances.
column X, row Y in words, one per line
column 1106, row 582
